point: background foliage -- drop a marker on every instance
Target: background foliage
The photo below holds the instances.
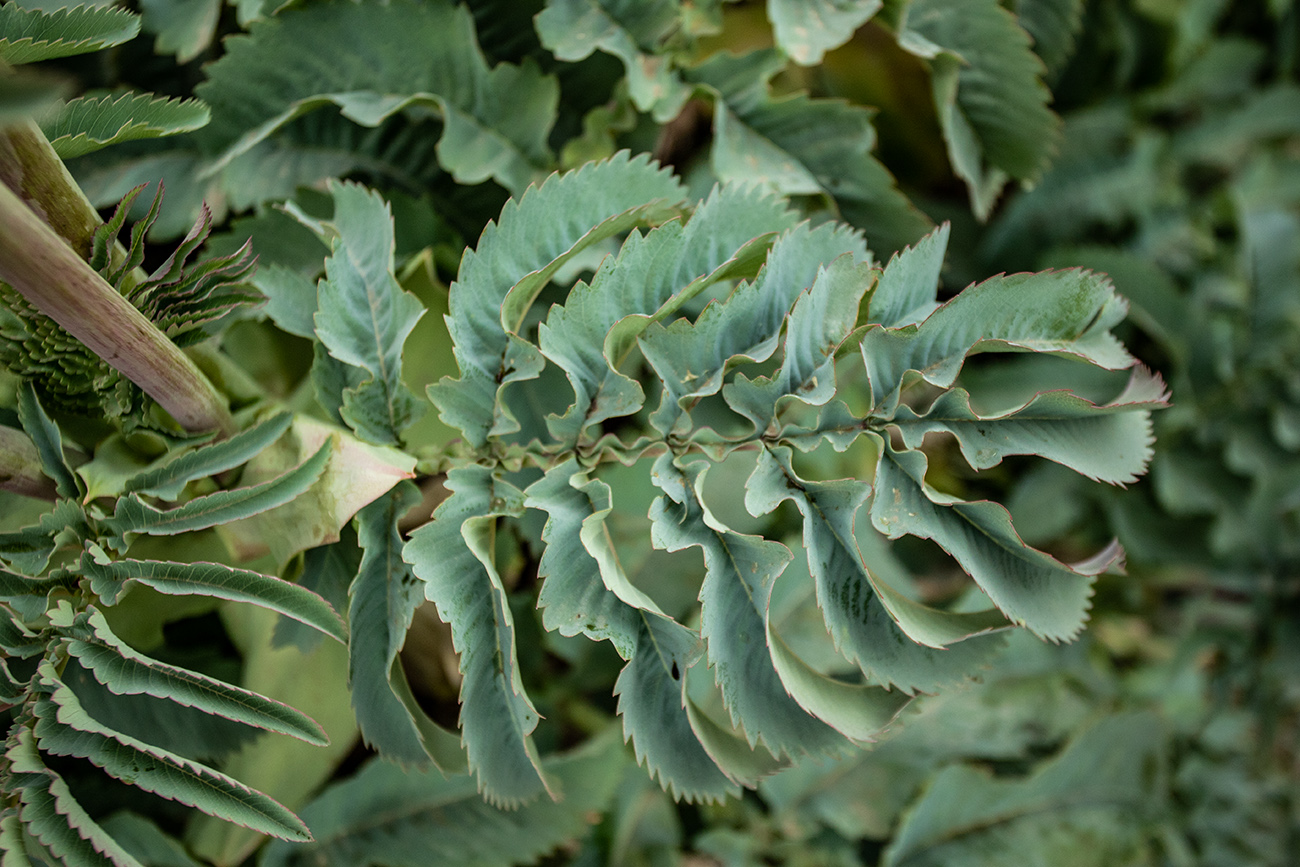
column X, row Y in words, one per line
column 390, row 163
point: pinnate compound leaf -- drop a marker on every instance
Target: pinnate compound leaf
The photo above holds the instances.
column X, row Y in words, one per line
column 406, row 819
column 807, row 29
column 988, row 90
column 1064, row 312
column 28, row 35
column 401, row 54
column 799, row 145
column 1108, row 443
column 109, row 579
column 514, row 259
column 127, row 672
column 63, row 728
column 48, row 441
column 895, row 639
column 693, row 357
column 1030, row 587
column 650, row 278
column 1091, row 798
column 631, row 30
column 89, row 123
column 48, row 811
column 384, row 595
column 132, row 515
column 453, row 555
column 167, row 480
column 364, row 316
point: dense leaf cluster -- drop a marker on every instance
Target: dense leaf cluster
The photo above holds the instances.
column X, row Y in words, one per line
column 607, row 392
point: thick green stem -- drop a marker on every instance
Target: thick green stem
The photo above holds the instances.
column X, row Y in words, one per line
column 20, row 466
column 59, row 283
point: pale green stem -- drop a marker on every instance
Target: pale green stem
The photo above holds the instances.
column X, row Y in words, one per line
column 20, row 466
column 37, row 263
column 30, row 167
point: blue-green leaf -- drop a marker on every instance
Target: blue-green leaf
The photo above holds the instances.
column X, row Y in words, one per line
column 734, row 623
column 28, row 35
column 12, row 690
column 1054, row 26
column 1030, row 587
column 803, row 146
column 109, row 579
column 184, row 27
column 63, row 728
column 146, row 841
column 25, row 94
column 127, row 672
column 992, row 103
column 1064, row 312
column 453, row 555
column 364, row 316
column 895, row 639
column 585, row 590
column 89, row 123
column 574, row 597
column 29, row 549
column 693, row 357
column 167, row 480
column 652, row 699
column 327, row 570
column 514, row 260
column 12, row 844
column 651, row 276
column 132, row 515
column 384, row 596
column 16, row 639
column 401, row 55
column 632, row 31
column 909, row 285
column 48, row 441
column 807, row 29
column 820, row 321
column 26, row 595
column 50, row 813
column 1109, row 442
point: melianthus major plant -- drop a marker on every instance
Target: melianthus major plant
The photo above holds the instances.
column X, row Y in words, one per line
column 617, row 334
column 800, row 298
